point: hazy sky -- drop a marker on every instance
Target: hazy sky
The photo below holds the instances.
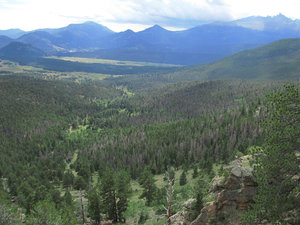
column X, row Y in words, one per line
column 120, row 15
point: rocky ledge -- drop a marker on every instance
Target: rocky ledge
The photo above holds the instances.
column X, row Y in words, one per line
column 232, row 196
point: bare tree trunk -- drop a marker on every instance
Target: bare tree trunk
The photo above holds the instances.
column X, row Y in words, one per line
column 170, row 192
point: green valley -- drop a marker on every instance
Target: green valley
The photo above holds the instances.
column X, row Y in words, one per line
column 98, row 141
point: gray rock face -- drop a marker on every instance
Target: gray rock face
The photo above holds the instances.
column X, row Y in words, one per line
column 232, row 198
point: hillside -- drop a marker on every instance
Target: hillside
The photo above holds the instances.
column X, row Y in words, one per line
column 26, row 54
column 12, row 33
column 276, row 61
column 60, row 138
column 20, row 52
column 4, row 40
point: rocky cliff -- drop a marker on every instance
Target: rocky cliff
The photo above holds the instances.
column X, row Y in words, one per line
column 232, row 195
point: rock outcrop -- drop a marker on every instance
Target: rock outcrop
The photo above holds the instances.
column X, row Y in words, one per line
column 183, row 217
column 232, row 196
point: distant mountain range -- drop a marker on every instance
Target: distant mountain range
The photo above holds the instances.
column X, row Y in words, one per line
column 12, row 33
column 201, row 44
column 278, row 23
column 277, row 60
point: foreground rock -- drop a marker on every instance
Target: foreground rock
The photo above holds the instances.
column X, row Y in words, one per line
column 232, row 196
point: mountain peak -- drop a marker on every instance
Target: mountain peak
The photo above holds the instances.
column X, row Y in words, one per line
column 157, row 27
column 270, row 23
column 91, row 23
column 129, row 31
column 281, row 16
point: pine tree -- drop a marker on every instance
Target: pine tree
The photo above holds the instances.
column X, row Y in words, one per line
column 195, row 171
column 198, row 190
column 182, row 179
column 123, row 190
column 276, row 163
column 80, row 183
column 68, row 198
column 149, row 188
column 44, row 213
column 108, row 195
column 94, row 205
column 68, row 179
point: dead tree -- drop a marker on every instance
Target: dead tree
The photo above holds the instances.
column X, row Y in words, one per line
column 170, row 192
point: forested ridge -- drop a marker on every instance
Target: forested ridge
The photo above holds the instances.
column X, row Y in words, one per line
column 62, row 139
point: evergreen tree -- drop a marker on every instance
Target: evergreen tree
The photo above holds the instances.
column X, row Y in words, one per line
column 68, row 216
column 80, row 183
column 198, row 190
column 123, row 190
column 108, row 195
column 149, row 188
column 276, row 163
column 195, row 171
column 26, row 196
column 8, row 213
column 68, row 198
column 56, row 198
column 44, row 213
column 182, row 179
column 94, row 205
column 170, row 174
column 68, row 179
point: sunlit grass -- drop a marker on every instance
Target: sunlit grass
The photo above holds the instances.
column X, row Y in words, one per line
column 111, row 62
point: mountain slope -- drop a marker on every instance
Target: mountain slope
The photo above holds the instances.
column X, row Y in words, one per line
column 40, row 39
column 12, row 33
column 74, row 36
column 4, row 40
column 20, row 52
column 81, row 36
column 278, row 60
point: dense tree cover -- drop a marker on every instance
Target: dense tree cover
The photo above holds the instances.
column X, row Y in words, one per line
column 35, row 116
column 205, row 139
column 110, row 197
column 8, row 212
column 276, row 164
column 56, row 135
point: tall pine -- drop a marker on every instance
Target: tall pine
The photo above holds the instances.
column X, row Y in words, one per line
column 276, row 163
column 123, row 190
column 108, row 195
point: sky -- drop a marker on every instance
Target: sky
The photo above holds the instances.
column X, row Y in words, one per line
column 120, row 15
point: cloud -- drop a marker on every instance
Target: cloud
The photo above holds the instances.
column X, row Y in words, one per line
column 137, row 14
column 174, row 13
